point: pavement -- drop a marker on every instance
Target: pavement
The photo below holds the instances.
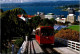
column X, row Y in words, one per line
column 66, row 50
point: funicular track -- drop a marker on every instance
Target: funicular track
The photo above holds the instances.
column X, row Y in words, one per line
column 48, row 49
column 34, row 48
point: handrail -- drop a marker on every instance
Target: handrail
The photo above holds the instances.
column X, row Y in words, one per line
column 74, row 45
column 19, row 50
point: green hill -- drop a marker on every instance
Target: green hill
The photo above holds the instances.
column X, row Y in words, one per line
column 75, row 27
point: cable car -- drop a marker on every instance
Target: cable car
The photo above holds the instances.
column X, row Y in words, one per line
column 45, row 35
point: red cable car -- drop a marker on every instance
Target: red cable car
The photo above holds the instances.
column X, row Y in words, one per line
column 44, row 35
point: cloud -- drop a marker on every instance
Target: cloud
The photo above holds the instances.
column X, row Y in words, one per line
column 18, row 1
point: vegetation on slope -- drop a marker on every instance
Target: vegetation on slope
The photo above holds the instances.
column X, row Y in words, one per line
column 12, row 26
column 68, row 34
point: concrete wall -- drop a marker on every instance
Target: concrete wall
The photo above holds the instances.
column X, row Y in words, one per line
column 69, row 43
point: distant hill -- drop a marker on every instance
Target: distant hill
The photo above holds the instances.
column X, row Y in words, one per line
column 51, row 3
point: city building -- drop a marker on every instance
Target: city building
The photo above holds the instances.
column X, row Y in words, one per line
column 25, row 17
column 22, row 17
column 50, row 15
column 71, row 17
column 57, row 19
column 79, row 18
column 41, row 14
column 62, row 20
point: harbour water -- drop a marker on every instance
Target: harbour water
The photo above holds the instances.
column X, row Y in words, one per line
column 32, row 10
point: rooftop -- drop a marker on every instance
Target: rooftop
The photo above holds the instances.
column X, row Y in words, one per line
column 50, row 14
column 26, row 16
column 71, row 14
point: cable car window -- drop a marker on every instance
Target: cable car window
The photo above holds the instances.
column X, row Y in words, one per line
column 46, row 32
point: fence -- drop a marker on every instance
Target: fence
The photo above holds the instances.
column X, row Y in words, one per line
column 69, row 43
column 74, row 45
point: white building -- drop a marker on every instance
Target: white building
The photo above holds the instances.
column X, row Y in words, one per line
column 63, row 20
column 50, row 15
column 22, row 17
column 25, row 17
column 71, row 18
column 57, row 19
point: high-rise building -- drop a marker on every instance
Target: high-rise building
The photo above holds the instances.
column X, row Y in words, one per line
column 79, row 18
column 71, row 17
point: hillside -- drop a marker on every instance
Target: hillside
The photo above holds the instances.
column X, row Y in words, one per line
column 65, row 8
column 75, row 27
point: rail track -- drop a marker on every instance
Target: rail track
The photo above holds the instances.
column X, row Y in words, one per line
column 48, row 49
column 34, row 48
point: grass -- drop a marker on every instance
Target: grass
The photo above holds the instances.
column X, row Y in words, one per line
column 75, row 27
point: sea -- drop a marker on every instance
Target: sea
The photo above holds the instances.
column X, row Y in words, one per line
column 32, row 10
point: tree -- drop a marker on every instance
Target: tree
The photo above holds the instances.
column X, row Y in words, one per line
column 53, row 21
column 35, row 21
column 1, row 10
column 12, row 26
column 46, row 22
column 10, row 22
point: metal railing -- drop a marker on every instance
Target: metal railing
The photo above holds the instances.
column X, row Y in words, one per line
column 74, row 45
column 69, row 43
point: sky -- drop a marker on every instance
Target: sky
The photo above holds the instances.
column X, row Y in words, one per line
column 21, row 1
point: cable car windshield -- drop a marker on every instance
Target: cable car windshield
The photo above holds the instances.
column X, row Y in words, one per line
column 46, row 32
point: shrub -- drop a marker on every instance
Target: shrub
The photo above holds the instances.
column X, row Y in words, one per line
column 68, row 34
column 19, row 42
